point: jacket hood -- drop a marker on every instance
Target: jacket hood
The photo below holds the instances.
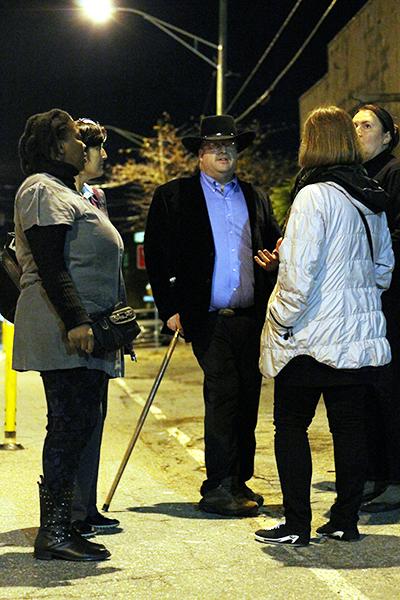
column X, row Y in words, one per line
column 353, row 178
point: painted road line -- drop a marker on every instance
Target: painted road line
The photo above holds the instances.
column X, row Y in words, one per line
column 180, row 436
column 155, row 411
column 176, row 433
column 336, row 582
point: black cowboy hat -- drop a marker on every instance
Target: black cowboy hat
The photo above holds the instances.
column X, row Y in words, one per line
column 217, row 128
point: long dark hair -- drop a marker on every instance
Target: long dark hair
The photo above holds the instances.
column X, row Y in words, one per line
column 39, row 144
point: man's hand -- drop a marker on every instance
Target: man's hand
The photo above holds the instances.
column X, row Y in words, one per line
column 269, row 261
column 174, row 323
column 81, row 338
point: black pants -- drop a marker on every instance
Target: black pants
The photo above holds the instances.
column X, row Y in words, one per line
column 294, row 410
column 73, row 399
column 383, row 405
column 228, row 353
column 383, row 428
column 85, row 491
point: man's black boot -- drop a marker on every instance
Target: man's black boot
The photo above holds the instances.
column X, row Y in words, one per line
column 225, row 500
column 56, row 538
column 248, row 493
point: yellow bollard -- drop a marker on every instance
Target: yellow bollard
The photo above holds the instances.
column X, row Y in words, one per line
column 10, row 435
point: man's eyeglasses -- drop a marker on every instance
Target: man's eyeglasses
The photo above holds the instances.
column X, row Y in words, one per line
column 214, row 146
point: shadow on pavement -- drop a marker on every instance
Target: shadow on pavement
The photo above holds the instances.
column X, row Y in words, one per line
column 371, row 552
column 22, row 569
column 384, row 518
column 325, row 486
column 21, row 538
column 183, row 510
column 274, row 511
column 391, row 517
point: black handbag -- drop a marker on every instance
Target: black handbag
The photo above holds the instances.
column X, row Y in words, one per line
column 10, row 274
column 114, row 329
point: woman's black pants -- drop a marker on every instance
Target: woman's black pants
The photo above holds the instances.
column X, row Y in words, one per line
column 294, row 410
column 73, row 403
column 85, row 492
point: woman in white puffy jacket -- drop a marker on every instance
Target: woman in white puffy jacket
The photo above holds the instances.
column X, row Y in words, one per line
column 325, row 330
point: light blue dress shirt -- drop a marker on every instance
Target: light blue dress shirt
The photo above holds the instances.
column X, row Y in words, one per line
column 233, row 277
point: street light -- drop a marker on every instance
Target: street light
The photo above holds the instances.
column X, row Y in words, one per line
column 101, row 11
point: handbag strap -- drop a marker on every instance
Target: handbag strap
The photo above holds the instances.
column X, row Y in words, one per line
column 363, row 219
column 367, row 231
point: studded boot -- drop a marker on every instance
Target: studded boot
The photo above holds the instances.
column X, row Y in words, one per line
column 56, row 538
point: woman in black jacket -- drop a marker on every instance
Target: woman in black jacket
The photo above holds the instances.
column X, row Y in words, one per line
column 379, row 135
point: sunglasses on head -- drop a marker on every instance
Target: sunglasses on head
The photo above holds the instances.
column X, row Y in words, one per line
column 86, row 121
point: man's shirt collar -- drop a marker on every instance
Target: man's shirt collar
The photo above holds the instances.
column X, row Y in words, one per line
column 214, row 185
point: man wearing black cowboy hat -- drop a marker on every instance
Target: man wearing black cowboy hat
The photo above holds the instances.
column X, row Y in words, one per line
column 201, row 236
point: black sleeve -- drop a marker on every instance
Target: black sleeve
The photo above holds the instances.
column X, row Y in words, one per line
column 271, row 231
column 47, row 246
column 160, row 254
column 269, row 235
column 392, row 186
column 274, row 232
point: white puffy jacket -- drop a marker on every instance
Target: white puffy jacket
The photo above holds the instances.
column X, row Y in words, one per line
column 327, row 300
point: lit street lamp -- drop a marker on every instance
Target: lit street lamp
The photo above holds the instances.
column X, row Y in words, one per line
column 101, row 11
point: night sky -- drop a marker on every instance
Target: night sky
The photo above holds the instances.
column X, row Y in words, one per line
column 127, row 73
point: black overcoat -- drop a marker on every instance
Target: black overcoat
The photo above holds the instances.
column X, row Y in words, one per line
column 385, row 168
column 180, row 253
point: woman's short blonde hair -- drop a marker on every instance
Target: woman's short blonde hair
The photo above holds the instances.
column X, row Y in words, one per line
column 329, row 138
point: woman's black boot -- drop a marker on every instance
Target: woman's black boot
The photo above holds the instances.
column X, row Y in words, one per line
column 56, row 538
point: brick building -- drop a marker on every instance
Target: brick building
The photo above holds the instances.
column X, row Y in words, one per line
column 363, row 62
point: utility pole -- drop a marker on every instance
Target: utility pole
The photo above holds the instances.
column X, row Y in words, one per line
column 221, row 61
column 160, row 143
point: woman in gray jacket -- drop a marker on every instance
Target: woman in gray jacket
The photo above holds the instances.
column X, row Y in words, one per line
column 325, row 330
column 71, row 256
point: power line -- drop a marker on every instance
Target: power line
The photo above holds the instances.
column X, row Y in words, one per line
column 265, row 96
column 265, row 54
column 135, row 138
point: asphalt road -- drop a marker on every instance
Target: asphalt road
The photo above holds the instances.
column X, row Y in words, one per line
column 166, row 548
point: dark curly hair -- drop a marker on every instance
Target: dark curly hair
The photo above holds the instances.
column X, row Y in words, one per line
column 93, row 134
column 38, row 145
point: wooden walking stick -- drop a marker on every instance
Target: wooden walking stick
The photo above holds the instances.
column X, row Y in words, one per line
column 141, row 420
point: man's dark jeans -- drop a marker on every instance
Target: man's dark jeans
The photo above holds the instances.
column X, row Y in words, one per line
column 228, row 352
column 294, row 410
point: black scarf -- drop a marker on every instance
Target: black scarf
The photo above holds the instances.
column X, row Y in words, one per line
column 376, row 164
column 63, row 171
column 353, row 178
